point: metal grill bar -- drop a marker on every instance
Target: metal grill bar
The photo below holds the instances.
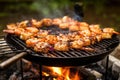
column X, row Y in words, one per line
column 67, row 54
column 10, row 52
column 75, row 52
column 72, row 53
column 62, row 55
column 1, row 42
column 71, row 57
column 53, row 54
column 19, row 42
column 6, row 48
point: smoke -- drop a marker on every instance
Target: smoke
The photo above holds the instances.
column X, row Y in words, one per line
column 57, row 8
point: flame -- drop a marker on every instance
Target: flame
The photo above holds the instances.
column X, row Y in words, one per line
column 64, row 74
column 57, row 70
column 76, row 77
column 44, row 73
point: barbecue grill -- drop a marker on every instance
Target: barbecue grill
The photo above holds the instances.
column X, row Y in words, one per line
column 73, row 57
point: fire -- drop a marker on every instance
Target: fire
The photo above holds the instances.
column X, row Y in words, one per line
column 64, row 74
column 57, row 70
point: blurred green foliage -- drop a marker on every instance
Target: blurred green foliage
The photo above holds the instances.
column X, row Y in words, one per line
column 97, row 4
column 50, row 7
column 47, row 7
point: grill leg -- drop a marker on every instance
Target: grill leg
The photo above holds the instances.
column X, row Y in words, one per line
column 107, row 63
column 21, row 68
column 40, row 68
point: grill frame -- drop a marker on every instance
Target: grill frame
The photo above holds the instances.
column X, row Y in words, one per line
column 79, row 57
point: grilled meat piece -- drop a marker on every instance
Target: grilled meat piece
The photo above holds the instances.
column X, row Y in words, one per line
column 42, row 47
column 80, row 35
column 77, row 44
column 61, row 46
